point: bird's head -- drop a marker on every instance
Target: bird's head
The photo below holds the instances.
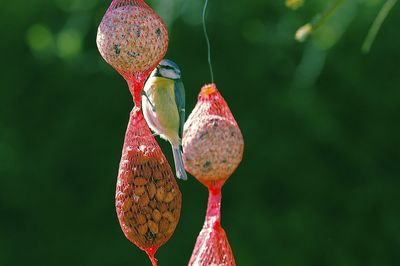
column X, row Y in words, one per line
column 167, row 69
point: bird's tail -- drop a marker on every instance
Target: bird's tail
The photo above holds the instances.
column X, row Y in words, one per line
column 179, row 168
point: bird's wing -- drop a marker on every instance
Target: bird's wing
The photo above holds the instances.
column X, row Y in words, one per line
column 180, row 104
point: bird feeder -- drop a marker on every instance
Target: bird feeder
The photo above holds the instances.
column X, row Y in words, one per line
column 133, row 39
column 212, row 150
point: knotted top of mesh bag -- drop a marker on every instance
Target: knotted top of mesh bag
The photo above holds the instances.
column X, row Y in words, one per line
column 210, row 102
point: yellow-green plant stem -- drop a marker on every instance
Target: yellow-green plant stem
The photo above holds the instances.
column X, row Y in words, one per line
column 303, row 32
column 373, row 31
column 327, row 14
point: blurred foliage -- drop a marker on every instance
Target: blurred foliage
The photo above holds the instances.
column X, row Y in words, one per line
column 319, row 180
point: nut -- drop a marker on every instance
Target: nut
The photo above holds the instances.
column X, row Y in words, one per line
column 151, row 189
column 162, row 207
column 169, row 197
column 160, row 194
column 172, row 205
column 170, row 229
column 128, row 215
column 141, row 219
column 140, row 181
column 157, row 175
column 143, row 229
column 164, row 224
column 156, row 215
column 168, row 186
column 127, row 220
column 144, row 200
column 153, row 227
column 147, row 172
column 132, row 234
column 169, row 216
column 139, row 190
column 126, row 205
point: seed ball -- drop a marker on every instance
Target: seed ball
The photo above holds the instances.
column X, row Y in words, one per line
column 132, row 38
column 212, row 147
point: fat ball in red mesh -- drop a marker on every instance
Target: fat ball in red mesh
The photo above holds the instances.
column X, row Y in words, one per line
column 132, row 37
column 212, row 150
column 212, row 141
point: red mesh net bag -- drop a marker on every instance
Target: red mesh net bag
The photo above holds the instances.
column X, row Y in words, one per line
column 148, row 200
column 212, row 149
column 133, row 39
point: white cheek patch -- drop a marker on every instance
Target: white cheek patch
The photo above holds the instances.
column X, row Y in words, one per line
column 169, row 73
column 153, row 73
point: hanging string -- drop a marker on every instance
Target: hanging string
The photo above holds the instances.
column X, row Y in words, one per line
column 373, row 31
column 208, row 41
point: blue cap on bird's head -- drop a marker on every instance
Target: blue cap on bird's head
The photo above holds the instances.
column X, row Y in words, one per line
column 167, row 69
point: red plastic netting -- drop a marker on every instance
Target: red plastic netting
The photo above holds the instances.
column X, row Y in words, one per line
column 132, row 38
column 212, row 141
column 212, row 246
column 212, row 150
column 148, row 200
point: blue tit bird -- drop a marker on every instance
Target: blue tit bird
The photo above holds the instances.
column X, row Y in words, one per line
column 163, row 104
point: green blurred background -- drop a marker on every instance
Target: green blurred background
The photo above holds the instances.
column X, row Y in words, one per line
column 319, row 181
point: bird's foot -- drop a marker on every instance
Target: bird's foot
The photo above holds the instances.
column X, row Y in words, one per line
column 148, row 99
